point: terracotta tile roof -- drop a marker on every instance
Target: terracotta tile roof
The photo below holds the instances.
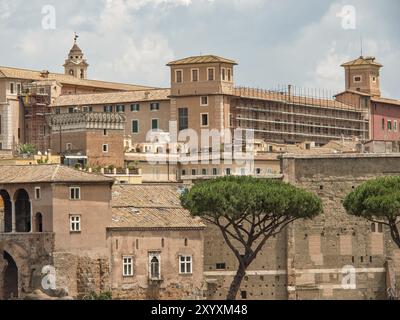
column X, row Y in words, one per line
column 201, row 59
column 150, row 207
column 385, row 100
column 112, row 97
column 362, row 61
column 25, row 74
column 10, row 174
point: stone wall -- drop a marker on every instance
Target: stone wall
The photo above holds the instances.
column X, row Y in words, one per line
column 311, row 259
column 31, row 252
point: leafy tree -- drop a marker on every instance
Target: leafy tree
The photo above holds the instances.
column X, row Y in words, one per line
column 248, row 211
column 377, row 200
column 27, row 148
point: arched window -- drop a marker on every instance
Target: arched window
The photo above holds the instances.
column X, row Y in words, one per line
column 71, row 72
column 38, row 222
column 155, row 272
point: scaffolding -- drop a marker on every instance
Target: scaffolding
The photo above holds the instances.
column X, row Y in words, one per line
column 36, row 99
column 293, row 115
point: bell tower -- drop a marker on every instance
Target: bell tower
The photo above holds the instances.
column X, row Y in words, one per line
column 76, row 65
column 363, row 75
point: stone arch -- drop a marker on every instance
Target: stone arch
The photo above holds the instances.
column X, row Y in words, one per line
column 5, row 212
column 19, row 263
column 23, row 219
column 10, row 287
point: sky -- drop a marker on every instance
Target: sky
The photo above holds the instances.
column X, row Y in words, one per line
column 275, row 42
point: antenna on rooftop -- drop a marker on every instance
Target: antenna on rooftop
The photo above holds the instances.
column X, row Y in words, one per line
column 361, row 40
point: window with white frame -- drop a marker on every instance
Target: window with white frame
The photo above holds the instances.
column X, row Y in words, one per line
column 37, row 193
column 204, row 101
column 223, row 74
column 75, row 193
column 357, row 78
column 185, row 265
column 204, row 119
column 12, row 88
column 19, row 88
column 75, row 223
column 229, row 75
column 135, row 107
column 195, row 75
column 154, row 106
column 154, row 124
column 68, row 146
column 120, row 108
column 127, row 266
column 154, row 266
column 135, row 126
column 210, row 74
column 178, row 76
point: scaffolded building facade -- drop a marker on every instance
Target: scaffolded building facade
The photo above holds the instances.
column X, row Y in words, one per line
column 292, row 115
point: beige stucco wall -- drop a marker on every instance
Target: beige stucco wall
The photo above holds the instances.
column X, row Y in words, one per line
column 173, row 285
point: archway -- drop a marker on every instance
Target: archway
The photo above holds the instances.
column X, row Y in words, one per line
column 10, row 278
column 5, row 212
column 38, row 222
column 22, row 211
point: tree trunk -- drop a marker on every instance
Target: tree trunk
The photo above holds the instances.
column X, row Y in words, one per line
column 237, row 281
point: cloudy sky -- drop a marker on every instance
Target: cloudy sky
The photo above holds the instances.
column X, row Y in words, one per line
column 275, row 42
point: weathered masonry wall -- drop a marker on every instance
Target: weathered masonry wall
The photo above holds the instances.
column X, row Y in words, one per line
column 320, row 249
column 30, row 252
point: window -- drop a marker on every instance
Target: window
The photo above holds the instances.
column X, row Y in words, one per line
column 383, row 124
column 68, row 146
column 127, row 267
column 178, row 76
column 19, row 88
column 135, row 107
column 105, row 132
column 75, row 193
column 183, row 118
column 376, row 227
column 135, row 126
column 71, row 110
column 195, row 75
column 258, row 171
column 12, row 89
column 389, row 125
column 229, row 75
column 75, row 223
column 154, row 106
column 204, row 119
column 223, row 74
column 204, row 172
column 120, row 108
column 210, row 74
column 204, row 101
column 105, row 148
column 185, row 264
column 194, row 172
column 108, row 108
column 228, row 171
column 154, row 266
column 373, row 79
column 154, row 124
column 215, row 171
column 220, row 266
column 243, row 294
column 357, row 79
column 183, row 172
column 395, row 125
column 37, row 193
column 87, row 109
